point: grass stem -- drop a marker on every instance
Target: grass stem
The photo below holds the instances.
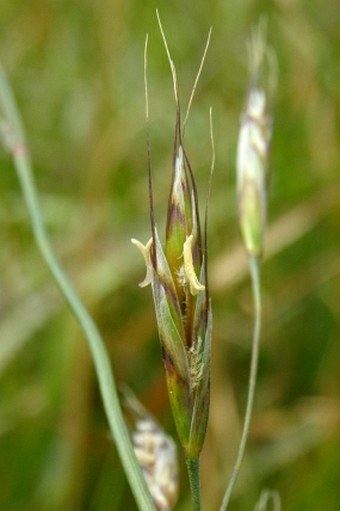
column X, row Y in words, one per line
column 16, row 145
column 193, row 467
column 254, row 267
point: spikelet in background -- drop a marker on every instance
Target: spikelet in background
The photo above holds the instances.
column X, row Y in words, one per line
column 156, row 453
column 252, row 180
column 254, row 145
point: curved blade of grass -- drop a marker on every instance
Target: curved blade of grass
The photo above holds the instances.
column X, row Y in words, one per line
column 14, row 139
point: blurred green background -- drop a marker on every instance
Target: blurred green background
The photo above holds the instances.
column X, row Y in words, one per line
column 77, row 71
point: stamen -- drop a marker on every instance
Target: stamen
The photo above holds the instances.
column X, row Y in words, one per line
column 195, row 285
column 145, row 251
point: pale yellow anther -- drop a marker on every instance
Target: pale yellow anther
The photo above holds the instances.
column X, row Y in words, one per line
column 194, row 284
column 145, row 250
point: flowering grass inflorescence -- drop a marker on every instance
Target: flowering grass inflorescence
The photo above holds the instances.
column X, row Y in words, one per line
column 252, row 180
column 254, row 147
column 177, row 272
column 178, row 276
column 156, row 453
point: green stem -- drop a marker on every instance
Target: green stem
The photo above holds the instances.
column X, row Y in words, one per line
column 15, row 141
column 193, row 466
column 254, row 267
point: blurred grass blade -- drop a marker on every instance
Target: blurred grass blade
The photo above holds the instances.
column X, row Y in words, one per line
column 14, row 140
column 11, row 128
column 265, row 498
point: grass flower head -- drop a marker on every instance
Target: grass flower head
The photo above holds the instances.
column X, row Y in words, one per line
column 178, row 277
column 253, row 150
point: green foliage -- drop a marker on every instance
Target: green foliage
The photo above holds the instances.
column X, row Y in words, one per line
column 77, row 72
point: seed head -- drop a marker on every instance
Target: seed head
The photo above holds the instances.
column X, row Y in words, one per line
column 178, row 277
column 156, row 453
column 182, row 305
column 253, row 150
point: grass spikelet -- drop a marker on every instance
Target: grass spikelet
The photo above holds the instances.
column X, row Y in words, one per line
column 156, row 453
column 178, row 277
column 252, row 173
